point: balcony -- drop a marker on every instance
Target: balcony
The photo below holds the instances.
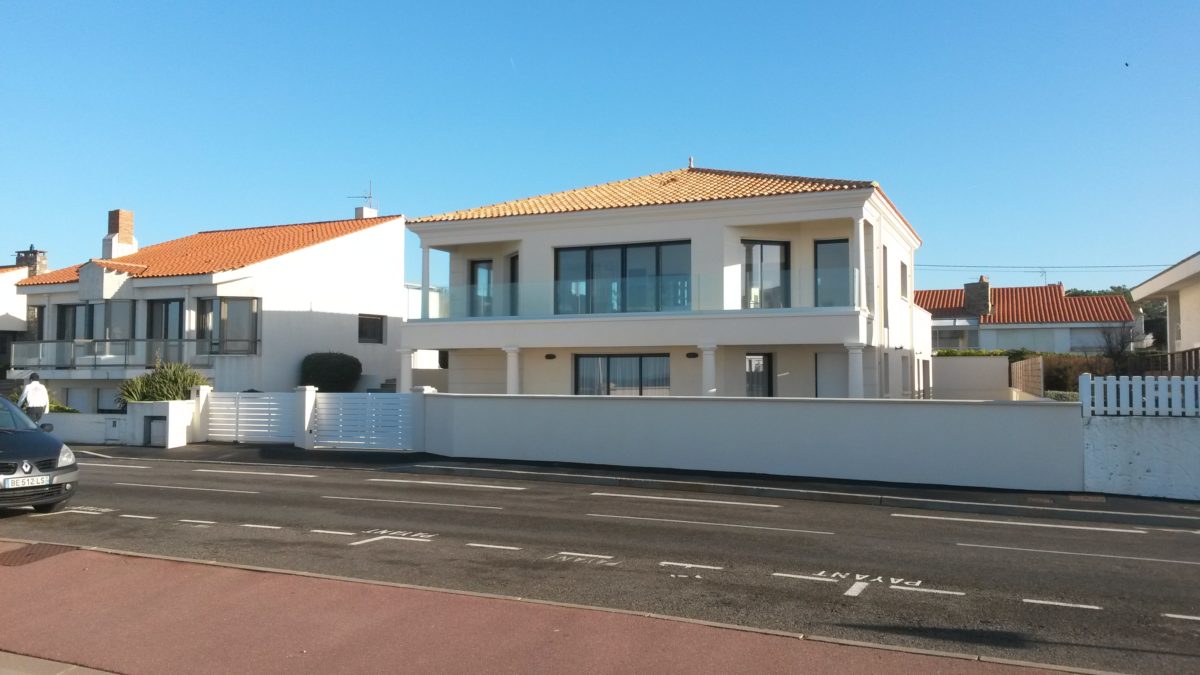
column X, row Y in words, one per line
column 123, row 354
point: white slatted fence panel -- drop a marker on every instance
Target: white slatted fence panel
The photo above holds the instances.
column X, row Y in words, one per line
column 364, row 421
column 252, row 417
column 1172, row 396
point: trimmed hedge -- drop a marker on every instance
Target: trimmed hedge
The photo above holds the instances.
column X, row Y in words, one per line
column 331, row 372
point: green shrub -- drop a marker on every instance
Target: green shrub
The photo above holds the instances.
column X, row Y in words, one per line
column 56, row 406
column 1060, row 372
column 167, row 382
column 1013, row 355
column 330, row 371
column 1065, row 396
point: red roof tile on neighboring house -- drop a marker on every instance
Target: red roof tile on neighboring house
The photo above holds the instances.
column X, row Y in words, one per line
column 216, row 250
column 1030, row 304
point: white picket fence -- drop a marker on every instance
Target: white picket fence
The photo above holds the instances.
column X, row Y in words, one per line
column 364, row 421
column 252, row 417
column 1139, row 396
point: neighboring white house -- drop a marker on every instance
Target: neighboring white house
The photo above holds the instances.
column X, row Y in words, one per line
column 244, row 306
column 1179, row 285
column 1038, row 318
column 683, row 283
column 13, row 319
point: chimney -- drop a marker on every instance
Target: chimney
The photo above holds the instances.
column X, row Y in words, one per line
column 34, row 259
column 361, row 212
column 977, row 298
column 119, row 241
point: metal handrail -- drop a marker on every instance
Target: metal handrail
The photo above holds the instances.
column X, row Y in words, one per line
column 136, row 353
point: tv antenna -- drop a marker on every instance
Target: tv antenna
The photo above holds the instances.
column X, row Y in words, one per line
column 368, row 198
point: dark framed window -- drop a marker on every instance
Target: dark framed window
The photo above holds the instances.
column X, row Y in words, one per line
column 75, row 322
column 164, row 319
column 767, row 274
column 622, row 374
column 832, row 264
column 37, row 323
column 514, row 278
column 370, row 328
column 227, row 325
column 118, row 320
column 904, row 279
column 653, row 277
column 760, row 375
column 481, row 288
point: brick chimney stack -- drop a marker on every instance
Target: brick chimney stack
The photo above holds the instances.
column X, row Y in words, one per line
column 977, row 298
column 120, row 240
column 34, row 259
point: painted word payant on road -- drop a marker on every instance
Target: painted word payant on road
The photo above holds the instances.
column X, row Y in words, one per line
column 869, row 578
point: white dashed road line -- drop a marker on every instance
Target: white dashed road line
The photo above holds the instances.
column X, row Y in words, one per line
column 1182, row 616
column 262, row 527
column 667, row 563
column 368, row 541
column 63, row 513
column 198, row 522
column 94, row 454
column 701, row 522
column 503, row 548
column 404, row 501
column 439, row 482
column 257, row 473
column 586, row 555
column 1014, row 522
column 337, row 532
column 1086, row 555
column 925, row 590
column 130, row 515
column 1058, row 604
column 684, row 499
column 176, row 487
column 801, row 576
column 113, row 466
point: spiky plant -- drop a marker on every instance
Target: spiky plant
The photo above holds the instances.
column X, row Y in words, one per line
column 167, row 382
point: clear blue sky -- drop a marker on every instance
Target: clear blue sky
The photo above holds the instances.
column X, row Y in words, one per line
column 1007, row 133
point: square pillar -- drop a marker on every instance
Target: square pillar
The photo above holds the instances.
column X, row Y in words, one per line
column 306, row 401
column 199, row 429
column 424, row 284
column 854, row 374
column 404, row 381
column 858, row 269
column 708, row 370
column 512, row 359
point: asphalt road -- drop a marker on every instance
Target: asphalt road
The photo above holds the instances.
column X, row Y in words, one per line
column 1096, row 595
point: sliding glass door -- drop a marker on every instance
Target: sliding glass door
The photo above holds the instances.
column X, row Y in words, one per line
column 623, row 375
column 766, row 283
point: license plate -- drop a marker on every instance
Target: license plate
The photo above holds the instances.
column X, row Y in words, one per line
column 27, row 481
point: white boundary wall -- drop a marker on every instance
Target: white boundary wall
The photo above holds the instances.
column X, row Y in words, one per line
column 1146, row 456
column 1013, row 445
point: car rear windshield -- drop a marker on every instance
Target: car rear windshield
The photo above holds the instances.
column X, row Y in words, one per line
column 12, row 419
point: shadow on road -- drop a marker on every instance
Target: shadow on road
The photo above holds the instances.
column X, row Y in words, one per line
column 997, row 638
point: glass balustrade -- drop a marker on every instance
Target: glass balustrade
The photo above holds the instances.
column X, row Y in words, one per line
column 76, row 354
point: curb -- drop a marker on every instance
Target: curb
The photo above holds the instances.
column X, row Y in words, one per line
column 963, row 656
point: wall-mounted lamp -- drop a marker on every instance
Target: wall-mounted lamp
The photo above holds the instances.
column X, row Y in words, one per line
column 692, row 355
column 551, row 357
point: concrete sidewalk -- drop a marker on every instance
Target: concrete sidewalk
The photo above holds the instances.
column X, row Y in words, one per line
column 133, row 614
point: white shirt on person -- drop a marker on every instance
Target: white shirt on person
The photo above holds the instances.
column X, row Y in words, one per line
column 35, row 395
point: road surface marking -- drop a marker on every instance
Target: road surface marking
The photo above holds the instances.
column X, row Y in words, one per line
column 439, row 482
column 503, row 548
column 257, row 473
column 924, row 590
column 684, row 499
column 367, row 541
column 1058, row 604
column 586, row 555
column 404, row 501
column 856, row 588
column 344, row 534
column 130, row 515
column 701, row 522
column 176, row 487
column 262, row 527
column 1086, row 555
column 113, row 466
column 198, row 522
column 94, row 454
column 1014, row 522
column 64, row 512
column 801, row 576
column 1182, row 616
column 667, row 563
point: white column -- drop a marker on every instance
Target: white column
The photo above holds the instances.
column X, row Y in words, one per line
column 512, row 357
column 424, row 282
column 708, row 370
column 855, row 370
column 306, row 401
column 404, row 382
column 856, row 248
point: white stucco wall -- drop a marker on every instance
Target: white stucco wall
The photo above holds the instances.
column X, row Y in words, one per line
column 88, row 429
column 1031, row 446
column 12, row 304
column 971, row 378
column 1146, row 456
column 1189, row 317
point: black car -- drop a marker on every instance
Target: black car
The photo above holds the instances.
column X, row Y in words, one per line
column 36, row 469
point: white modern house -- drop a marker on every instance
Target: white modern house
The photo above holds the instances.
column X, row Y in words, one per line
column 684, row 283
column 1038, row 318
column 244, row 306
column 1179, row 285
column 13, row 309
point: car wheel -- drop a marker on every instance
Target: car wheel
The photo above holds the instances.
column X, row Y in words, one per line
column 50, row 508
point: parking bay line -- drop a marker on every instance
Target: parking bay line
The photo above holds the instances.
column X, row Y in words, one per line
column 684, row 499
column 1058, row 604
column 439, row 482
column 503, row 548
column 925, row 590
column 198, row 522
column 337, row 532
column 176, row 487
column 94, row 454
column 1085, row 555
column 701, row 522
column 586, row 555
column 113, row 466
column 801, row 576
column 1182, row 616
column 262, row 527
column 667, row 563
column 257, row 473
column 856, row 588
column 405, row 501
column 64, row 512
column 1015, row 522
column 130, row 515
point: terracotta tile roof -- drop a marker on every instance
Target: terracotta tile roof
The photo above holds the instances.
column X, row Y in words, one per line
column 216, row 250
column 1030, row 304
column 670, row 187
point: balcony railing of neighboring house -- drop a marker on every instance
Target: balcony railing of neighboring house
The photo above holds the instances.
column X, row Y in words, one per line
column 80, row 354
column 1186, row 362
column 622, row 297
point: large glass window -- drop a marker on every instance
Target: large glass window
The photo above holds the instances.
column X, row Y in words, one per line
column 118, row 320
column 632, row 278
column 74, row 322
column 833, row 273
column 623, row 374
column 766, row 283
column 370, row 328
column 481, row 288
column 227, row 325
column 164, row 319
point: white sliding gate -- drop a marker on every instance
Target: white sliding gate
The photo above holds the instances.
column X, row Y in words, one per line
column 364, row 421
column 252, row 417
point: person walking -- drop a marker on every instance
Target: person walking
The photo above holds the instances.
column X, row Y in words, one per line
column 35, row 398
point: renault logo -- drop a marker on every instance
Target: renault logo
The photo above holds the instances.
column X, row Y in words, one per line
column 26, row 466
